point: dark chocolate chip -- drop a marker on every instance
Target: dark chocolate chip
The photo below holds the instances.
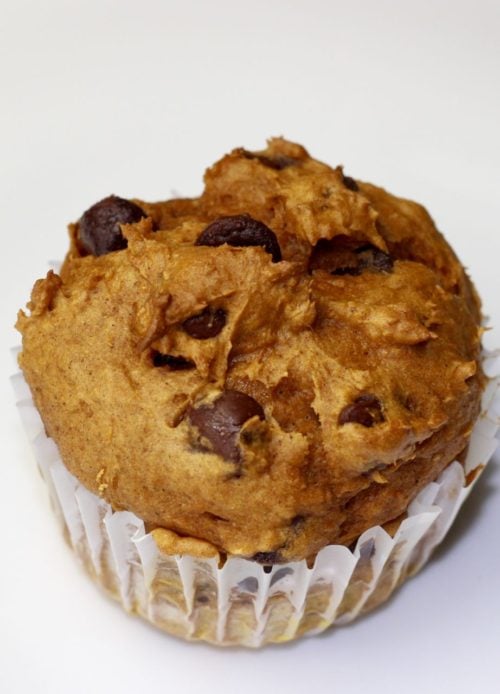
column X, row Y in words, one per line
column 249, row 585
column 240, row 230
column 267, row 558
column 372, row 258
column 350, row 183
column 206, row 324
column 221, row 421
column 356, row 414
column 99, row 227
column 278, row 162
column 365, row 410
column 175, row 363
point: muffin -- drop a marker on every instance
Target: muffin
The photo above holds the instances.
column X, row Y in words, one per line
column 255, row 379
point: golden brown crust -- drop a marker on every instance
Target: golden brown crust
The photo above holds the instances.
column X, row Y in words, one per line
column 391, row 339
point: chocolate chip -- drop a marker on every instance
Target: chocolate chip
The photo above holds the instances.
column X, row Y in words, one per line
column 221, row 421
column 372, row 258
column 206, row 324
column 365, row 410
column 356, row 413
column 99, row 227
column 350, row 183
column 240, row 230
column 267, row 558
column 175, row 363
column 278, row 162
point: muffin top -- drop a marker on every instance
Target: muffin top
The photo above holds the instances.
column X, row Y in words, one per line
column 269, row 368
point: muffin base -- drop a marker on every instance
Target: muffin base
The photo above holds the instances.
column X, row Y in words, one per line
column 243, row 603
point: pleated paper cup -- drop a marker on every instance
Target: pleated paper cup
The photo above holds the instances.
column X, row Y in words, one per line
column 243, row 603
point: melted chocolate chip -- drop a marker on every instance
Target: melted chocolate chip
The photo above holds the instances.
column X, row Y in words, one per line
column 99, row 227
column 350, row 183
column 278, row 162
column 267, row 558
column 206, row 324
column 221, row 421
column 365, row 410
column 240, row 230
column 357, row 414
column 175, row 363
column 372, row 258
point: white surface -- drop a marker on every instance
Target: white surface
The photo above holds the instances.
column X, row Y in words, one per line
column 110, row 96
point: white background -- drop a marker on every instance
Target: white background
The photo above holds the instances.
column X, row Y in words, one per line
column 136, row 98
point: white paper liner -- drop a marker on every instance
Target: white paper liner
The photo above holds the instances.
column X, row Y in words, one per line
column 240, row 603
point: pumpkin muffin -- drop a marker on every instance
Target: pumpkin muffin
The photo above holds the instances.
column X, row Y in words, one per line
column 273, row 367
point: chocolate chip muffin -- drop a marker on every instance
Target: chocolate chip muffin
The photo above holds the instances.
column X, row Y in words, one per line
column 267, row 369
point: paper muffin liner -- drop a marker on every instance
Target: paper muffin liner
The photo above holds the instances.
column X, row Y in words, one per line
column 243, row 603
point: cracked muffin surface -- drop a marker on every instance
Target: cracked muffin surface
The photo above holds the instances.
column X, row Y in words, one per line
column 272, row 367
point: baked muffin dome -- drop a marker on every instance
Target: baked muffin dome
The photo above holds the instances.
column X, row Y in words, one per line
column 269, row 368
